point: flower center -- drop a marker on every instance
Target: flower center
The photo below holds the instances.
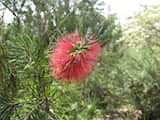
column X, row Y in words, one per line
column 79, row 48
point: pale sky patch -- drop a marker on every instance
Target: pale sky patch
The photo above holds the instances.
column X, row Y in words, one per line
column 127, row 8
column 8, row 16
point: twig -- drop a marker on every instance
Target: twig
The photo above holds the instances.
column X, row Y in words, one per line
column 3, row 3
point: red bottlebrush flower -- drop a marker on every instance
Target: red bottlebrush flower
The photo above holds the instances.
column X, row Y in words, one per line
column 72, row 59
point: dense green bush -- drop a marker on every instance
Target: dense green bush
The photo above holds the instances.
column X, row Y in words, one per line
column 140, row 61
column 27, row 90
